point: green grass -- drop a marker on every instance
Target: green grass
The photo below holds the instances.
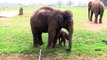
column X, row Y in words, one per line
column 16, row 37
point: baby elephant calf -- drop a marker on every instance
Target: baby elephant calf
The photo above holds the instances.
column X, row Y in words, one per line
column 62, row 36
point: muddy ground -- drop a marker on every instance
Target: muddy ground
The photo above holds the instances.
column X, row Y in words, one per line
column 46, row 57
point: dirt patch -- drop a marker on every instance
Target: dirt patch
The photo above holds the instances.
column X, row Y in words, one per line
column 47, row 57
column 95, row 27
column 26, row 57
column 19, row 57
column 93, row 58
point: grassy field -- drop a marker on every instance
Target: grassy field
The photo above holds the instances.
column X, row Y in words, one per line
column 16, row 37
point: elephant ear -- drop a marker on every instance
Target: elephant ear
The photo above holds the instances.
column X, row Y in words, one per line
column 67, row 15
column 57, row 17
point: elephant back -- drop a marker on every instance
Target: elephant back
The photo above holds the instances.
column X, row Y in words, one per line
column 97, row 5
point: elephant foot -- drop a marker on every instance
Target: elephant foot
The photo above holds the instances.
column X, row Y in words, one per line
column 60, row 44
column 68, row 49
column 41, row 43
column 35, row 45
column 53, row 46
column 90, row 20
column 48, row 47
column 95, row 22
column 100, row 22
column 65, row 44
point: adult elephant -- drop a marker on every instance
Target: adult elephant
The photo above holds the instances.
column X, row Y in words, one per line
column 96, row 7
column 47, row 19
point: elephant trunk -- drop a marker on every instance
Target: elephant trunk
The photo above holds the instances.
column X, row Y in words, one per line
column 70, row 30
column 88, row 14
column 89, row 9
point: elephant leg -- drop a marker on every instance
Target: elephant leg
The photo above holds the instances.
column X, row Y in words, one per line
column 64, row 42
column 35, row 38
column 91, row 16
column 55, row 39
column 59, row 41
column 96, row 17
column 54, row 42
column 40, row 39
column 51, row 36
column 100, row 20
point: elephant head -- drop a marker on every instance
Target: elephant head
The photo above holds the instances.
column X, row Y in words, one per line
column 68, row 24
column 64, row 19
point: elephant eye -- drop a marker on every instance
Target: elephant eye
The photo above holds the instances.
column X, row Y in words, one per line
column 67, row 17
